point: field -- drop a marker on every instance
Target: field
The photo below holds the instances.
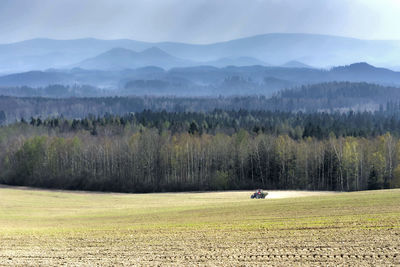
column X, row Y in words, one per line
column 40, row 227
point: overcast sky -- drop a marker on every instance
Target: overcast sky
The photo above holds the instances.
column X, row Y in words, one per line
column 196, row 21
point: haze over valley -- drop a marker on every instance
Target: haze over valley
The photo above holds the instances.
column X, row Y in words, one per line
column 258, row 65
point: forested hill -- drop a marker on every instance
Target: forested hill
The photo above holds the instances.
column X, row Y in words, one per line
column 189, row 81
column 337, row 96
column 334, row 90
column 160, row 151
column 325, row 97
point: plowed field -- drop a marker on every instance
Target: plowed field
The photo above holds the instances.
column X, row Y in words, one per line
column 288, row 228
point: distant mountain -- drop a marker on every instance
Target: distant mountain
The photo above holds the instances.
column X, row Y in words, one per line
column 195, row 80
column 42, row 53
column 36, row 79
column 395, row 68
column 367, row 73
column 296, row 64
column 276, row 49
column 121, row 58
column 238, row 61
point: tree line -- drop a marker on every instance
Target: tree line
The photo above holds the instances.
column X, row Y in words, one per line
column 295, row 125
column 145, row 153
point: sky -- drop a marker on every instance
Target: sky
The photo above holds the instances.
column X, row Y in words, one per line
column 195, row 21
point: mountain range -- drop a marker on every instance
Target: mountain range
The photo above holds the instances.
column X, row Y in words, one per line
column 122, row 58
column 321, row 51
column 195, row 80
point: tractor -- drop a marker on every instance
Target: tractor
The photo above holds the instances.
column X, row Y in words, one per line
column 259, row 194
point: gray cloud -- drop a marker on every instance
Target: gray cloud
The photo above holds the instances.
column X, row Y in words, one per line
column 195, row 21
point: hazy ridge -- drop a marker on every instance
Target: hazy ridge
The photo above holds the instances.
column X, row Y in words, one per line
column 275, row 49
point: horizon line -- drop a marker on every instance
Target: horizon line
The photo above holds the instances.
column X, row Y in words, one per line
column 189, row 43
